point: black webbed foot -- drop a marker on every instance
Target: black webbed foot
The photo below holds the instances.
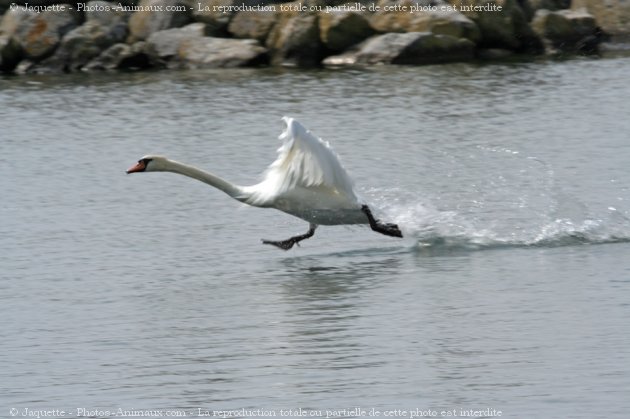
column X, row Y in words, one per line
column 387, row 229
column 283, row 244
column 288, row 243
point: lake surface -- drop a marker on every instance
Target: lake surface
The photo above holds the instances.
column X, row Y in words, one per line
column 510, row 292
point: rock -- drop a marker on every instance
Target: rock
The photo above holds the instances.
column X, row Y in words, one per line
column 12, row 20
column 40, row 34
column 396, row 20
column 612, row 15
column 413, row 48
column 103, row 13
column 143, row 23
column 341, row 29
column 120, row 57
column 208, row 52
column 505, row 29
column 531, row 6
column 10, row 54
column 252, row 25
column 494, row 54
column 215, row 14
column 348, row 58
column 428, row 17
column 163, row 45
column 81, row 45
column 445, row 23
column 294, row 39
column 102, row 29
column 23, row 66
column 567, row 31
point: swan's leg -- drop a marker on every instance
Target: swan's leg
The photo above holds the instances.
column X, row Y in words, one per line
column 288, row 243
column 383, row 228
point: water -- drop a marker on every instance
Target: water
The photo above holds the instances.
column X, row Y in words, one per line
column 153, row 291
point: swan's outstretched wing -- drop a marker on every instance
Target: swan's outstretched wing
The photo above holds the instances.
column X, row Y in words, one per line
column 306, row 162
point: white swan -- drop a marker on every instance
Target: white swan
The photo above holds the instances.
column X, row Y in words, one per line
column 307, row 180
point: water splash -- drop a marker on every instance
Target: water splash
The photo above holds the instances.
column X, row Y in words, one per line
column 499, row 198
column 431, row 228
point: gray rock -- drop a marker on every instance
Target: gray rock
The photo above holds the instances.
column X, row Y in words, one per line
column 413, row 48
column 103, row 28
column 10, row 54
column 210, row 52
column 40, row 34
column 120, row 57
column 143, row 23
column 107, row 16
column 445, row 23
column 163, row 45
column 23, row 66
column 612, row 15
column 394, row 20
column 567, row 31
column 218, row 15
column 438, row 20
column 252, row 25
column 341, row 30
column 12, row 19
column 494, row 54
column 505, row 29
column 294, row 41
column 211, row 13
column 531, row 6
column 81, row 45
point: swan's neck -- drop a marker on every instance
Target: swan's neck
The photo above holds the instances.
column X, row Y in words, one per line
column 235, row 191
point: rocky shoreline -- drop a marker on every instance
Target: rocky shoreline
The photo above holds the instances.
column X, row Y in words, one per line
column 67, row 36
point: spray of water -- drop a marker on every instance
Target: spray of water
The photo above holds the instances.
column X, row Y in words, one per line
column 519, row 204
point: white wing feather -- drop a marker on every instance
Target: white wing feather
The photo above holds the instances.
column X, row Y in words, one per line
column 304, row 162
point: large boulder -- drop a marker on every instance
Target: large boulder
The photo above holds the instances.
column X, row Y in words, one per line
column 80, row 46
column 395, row 15
column 208, row 52
column 145, row 22
column 567, row 31
column 443, row 22
column 612, row 15
column 252, row 24
column 107, row 15
column 294, row 39
column 120, row 57
column 423, row 16
column 531, row 6
column 504, row 28
column 413, row 48
column 340, row 30
column 13, row 19
column 214, row 13
column 10, row 54
column 162, row 46
column 40, row 34
column 103, row 28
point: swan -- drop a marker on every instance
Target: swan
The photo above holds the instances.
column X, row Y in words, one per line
column 306, row 180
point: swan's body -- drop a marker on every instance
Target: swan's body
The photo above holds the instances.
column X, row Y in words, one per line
column 307, row 181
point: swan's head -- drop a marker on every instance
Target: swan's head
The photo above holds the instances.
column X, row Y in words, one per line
column 149, row 164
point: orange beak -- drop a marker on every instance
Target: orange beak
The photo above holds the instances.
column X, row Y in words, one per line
column 138, row 167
